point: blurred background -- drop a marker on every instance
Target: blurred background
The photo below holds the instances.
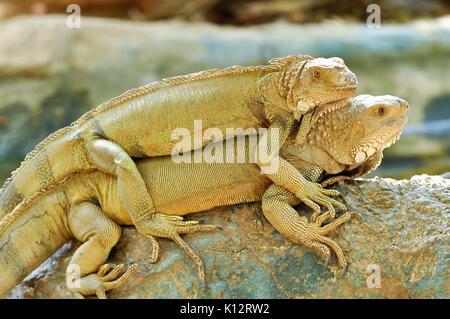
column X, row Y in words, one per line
column 50, row 73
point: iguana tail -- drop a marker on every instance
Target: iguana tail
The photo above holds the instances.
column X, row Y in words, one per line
column 61, row 154
column 29, row 235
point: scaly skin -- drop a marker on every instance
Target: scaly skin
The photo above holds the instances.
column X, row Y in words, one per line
column 140, row 122
column 40, row 225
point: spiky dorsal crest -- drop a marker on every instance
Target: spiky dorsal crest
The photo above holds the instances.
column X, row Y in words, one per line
column 274, row 65
column 291, row 68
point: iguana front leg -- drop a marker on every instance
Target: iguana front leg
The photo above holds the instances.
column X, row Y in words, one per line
column 277, row 208
column 284, row 174
column 302, row 91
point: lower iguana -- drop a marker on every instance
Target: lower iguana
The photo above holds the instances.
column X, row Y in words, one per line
column 140, row 123
column 87, row 207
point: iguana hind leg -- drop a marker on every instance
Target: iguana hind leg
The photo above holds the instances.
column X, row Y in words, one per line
column 112, row 158
column 86, row 273
column 133, row 193
column 277, row 207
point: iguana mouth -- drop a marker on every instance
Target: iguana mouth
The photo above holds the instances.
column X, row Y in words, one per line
column 303, row 106
column 347, row 88
column 337, row 88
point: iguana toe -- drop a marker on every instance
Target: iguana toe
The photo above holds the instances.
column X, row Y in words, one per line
column 104, row 280
column 313, row 235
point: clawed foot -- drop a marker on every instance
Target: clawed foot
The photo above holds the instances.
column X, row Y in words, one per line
column 315, row 194
column 168, row 226
column 311, row 234
column 100, row 282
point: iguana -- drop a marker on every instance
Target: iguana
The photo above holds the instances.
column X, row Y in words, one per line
column 342, row 145
column 140, row 123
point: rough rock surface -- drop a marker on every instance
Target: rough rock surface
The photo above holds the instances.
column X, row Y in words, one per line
column 403, row 232
column 51, row 74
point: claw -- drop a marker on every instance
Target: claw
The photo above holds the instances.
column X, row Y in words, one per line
column 101, row 282
column 344, row 271
column 103, row 270
column 155, row 249
column 327, row 263
column 356, row 213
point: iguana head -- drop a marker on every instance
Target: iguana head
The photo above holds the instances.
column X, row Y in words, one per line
column 348, row 137
column 315, row 82
column 365, row 126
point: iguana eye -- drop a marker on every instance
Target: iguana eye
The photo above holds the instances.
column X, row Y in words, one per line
column 381, row 110
column 317, row 74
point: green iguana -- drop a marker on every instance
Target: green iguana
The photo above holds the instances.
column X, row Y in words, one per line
column 342, row 145
column 140, row 123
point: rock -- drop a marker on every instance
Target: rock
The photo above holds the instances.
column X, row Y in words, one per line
column 51, row 74
column 402, row 235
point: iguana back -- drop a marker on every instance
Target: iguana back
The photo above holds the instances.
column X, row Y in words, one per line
column 141, row 121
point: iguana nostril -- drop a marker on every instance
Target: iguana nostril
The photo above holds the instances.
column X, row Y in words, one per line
column 348, row 80
column 403, row 104
column 351, row 79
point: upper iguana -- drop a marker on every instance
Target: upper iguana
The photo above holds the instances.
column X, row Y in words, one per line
column 86, row 206
column 139, row 123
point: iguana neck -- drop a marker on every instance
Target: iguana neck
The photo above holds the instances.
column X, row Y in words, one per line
column 280, row 88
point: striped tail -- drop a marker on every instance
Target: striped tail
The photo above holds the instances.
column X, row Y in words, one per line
column 28, row 236
column 61, row 154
